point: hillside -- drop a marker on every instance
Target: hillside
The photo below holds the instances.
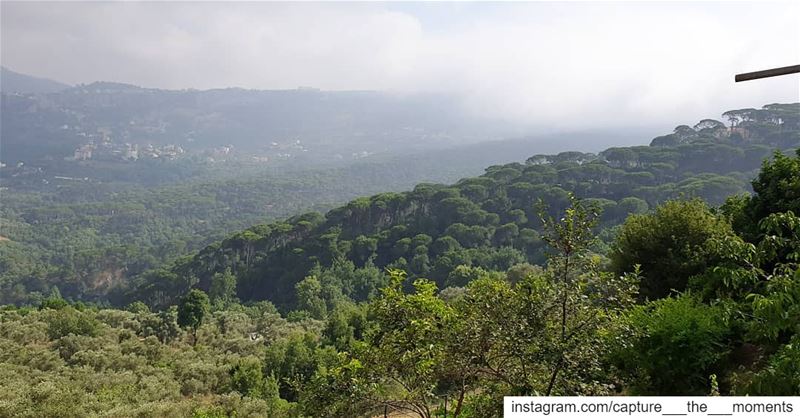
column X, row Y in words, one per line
column 306, row 125
column 120, row 218
column 259, row 209
column 687, row 300
column 14, row 82
column 488, row 222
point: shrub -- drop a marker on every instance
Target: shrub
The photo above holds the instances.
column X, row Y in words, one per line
column 677, row 343
column 69, row 321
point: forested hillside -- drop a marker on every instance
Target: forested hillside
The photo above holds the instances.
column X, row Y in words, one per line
column 102, row 182
column 88, row 226
column 683, row 298
column 489, row 223
column 88, row 238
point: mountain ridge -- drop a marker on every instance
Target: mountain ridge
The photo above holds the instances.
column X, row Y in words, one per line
column 14, row 82
column 490, row 221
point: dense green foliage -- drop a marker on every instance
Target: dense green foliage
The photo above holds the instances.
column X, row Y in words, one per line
column 408, row 302
column 490, row 222
column 87, row 238
column 192, row 310
column 110, row 221
column 68, row 363
column 666, row 331
column 669, row 245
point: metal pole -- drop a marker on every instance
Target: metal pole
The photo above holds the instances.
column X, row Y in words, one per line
column 768, row 73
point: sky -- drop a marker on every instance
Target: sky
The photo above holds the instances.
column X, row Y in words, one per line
column 562, row 65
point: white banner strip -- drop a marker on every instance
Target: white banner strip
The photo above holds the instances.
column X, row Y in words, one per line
column 651, row 406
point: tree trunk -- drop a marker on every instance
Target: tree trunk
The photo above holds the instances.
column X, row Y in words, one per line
column 460, row 401
column 564, row 299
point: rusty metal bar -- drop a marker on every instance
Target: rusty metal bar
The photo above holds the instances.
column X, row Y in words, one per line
column 773, row 72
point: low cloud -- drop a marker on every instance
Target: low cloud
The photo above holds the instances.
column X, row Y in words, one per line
column 561, row 66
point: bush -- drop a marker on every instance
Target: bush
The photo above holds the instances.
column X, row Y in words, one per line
column 69, row 321
column 669, row 245
column 780, row 377
column 677, row 343
column 53, row 303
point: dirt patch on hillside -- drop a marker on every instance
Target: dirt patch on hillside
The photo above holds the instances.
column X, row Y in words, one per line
column 104, row 280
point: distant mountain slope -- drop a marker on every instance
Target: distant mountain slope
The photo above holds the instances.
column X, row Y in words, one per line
column 14, row 82
column 302, row 124
column 489, row 221
column 305, row 127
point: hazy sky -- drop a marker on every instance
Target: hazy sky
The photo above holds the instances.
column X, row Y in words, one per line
column 557, row 64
